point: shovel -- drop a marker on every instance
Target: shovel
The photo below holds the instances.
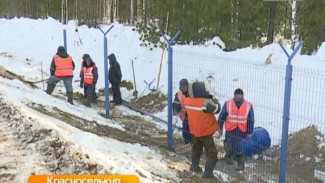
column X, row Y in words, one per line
column 135, row 92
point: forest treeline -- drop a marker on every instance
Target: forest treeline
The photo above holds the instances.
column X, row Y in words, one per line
column 239, row 23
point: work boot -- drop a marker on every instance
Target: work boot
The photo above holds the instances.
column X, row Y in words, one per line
column 50, row 89
column 209, row 167
column 229, row 154
column 88, row 101
column 94, row 99
column 240, row 162
column 70, row 98
column 195, row 163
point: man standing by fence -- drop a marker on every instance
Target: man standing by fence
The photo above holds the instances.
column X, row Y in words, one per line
column 238, row 116
column 114, row 77
column 201, row 107
column 179, row 109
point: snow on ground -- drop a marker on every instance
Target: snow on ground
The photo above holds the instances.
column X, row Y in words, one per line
column 115, row 156
column 29, row 45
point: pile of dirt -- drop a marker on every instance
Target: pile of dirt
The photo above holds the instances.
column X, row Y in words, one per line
column 304, row 155
column 152, row 103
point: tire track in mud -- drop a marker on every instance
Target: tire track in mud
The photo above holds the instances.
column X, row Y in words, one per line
column 17, row 162
column 31, row 149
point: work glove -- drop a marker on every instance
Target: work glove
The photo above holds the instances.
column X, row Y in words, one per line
column 81, row 85
column 215, row 99
column 176, row 108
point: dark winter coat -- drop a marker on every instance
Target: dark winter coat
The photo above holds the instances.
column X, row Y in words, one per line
column 234, row 137
column 114, row 74
column 61, row 53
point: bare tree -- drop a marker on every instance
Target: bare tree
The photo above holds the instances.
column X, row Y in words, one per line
column 270, row 32
column 115, row 10
column 132, row 12
column 293, row 24
column 107, row 12
column 62, row 11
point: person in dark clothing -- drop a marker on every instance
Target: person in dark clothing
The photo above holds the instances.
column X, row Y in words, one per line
column 62, row 67
column 238, row 116
column 88, row 80
column 179, row 109
column 83, row 64
column 114, row 77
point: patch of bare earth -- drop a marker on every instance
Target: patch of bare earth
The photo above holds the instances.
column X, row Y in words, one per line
column 303, row 157
column 26, row 149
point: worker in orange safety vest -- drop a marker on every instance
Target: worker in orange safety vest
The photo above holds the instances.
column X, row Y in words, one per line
column 201, row 107
column 62, row 67
column 237, row 115
column 179, row 109
column 88, row 80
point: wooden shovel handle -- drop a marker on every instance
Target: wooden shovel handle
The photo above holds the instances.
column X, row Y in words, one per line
column 135, row 85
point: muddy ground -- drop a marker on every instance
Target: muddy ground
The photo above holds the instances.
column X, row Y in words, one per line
column 304, row 155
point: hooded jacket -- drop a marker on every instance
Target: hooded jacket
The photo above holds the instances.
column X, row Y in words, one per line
column 114, row 73
column 200, row 109
column 92, row 77
column 61, row 58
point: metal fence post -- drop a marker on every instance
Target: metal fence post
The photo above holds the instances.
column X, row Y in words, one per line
column 106, row 70
column 170, row 87
column 286, row 113
column 65, row 39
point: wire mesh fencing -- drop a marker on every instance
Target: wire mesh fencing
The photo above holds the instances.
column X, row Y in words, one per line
column 263, row 85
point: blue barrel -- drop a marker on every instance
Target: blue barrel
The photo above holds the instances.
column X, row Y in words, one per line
column 260, row 140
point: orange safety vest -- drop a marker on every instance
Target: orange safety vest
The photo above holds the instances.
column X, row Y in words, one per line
column 88, row 75
column 201, row 123
column 237, row 117
column 181, row 97
column 63, row 66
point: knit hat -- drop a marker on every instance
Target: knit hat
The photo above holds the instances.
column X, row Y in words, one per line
column 61, row 49
column 183, row 82
column 238, row 91
column 85, row 56
column 88, row 59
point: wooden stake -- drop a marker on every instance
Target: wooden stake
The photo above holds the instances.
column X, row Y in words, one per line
column 183, row 148
column 162, row 54
column 135, row 93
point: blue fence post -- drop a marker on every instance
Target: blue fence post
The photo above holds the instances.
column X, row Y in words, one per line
column 170, row 88
column 106, row 70
column 65, row 40
column 286, row 113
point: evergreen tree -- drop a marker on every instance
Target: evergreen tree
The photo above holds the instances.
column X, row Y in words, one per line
column 311, row 24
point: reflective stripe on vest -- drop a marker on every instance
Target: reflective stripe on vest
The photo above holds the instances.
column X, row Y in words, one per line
column 181, row 97
column 237, row 117
column 63, row 66
column 88, row 75
column 200, row 123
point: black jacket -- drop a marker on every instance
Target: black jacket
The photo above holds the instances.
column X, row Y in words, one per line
column 114, row 73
